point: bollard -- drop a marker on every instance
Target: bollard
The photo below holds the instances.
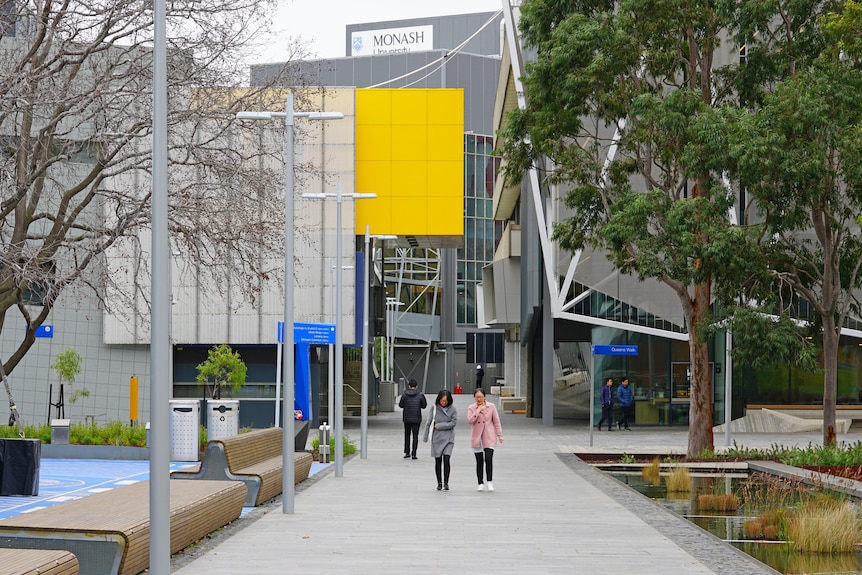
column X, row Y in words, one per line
column 323, row 448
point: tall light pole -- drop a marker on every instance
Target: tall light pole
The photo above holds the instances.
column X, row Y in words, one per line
column 160, row 375
column 338, row 427
column 330, row 393
column 366, row 291
column 287, row 473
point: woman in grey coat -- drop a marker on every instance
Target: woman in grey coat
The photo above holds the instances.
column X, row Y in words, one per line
column 444, row 416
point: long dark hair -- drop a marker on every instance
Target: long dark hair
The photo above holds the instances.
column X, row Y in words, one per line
column 444, row 393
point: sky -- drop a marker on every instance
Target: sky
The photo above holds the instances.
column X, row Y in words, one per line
column 323, row 22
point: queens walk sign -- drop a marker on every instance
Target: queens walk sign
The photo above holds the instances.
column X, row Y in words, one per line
column 615, row 350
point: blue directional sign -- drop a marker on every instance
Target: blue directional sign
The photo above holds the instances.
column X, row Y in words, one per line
column 280, row 336
column 45, row 331
column 314, row 333
column 615, row 350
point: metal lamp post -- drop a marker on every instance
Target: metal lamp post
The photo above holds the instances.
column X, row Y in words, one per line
column 338, row 427
column 330, row 394
column 366, row 291
column 288, row 492
column 160, row 376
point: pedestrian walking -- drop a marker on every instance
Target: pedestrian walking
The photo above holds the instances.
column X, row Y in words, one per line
column 625, row 399
column 441, row 430
column 412, row 403
column 485, row 433
column 607, row 398
column 480, row 375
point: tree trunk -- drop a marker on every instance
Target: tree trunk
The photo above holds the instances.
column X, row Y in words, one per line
column 13, row 410
column 830, row 378
column 700, row 409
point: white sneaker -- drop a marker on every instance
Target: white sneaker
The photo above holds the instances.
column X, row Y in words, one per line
column 490, row 486
column 481, row 487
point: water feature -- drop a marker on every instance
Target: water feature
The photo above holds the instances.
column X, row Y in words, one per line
column 758, row 496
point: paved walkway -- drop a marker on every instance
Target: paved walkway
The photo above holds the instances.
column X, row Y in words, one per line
column 550, row 513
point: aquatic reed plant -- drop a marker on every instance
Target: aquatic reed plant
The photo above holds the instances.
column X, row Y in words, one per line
column 824, row 525
column 652, row 473
column 752, row 529
column 718, row 502
column 678, row 480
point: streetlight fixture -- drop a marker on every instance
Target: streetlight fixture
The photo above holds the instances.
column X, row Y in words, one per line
column 338, row 427
column 330, row 392
column 287, row 487
column 366, row 291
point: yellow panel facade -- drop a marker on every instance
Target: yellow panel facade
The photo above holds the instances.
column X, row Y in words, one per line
column 382, row 138
column 410, row 152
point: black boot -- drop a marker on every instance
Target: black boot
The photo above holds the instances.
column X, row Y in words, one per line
column 439, row 487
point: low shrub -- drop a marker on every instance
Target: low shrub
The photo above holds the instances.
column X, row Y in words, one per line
column 348, row 447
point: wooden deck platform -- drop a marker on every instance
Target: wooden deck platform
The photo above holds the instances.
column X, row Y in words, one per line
column 109, row 532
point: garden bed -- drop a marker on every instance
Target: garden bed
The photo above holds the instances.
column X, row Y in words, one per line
column 846, row 471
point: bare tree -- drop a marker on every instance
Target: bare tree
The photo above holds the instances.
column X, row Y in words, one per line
column 75, row 128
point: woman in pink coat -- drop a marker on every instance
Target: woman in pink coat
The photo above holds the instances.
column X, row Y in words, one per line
column 485, row 431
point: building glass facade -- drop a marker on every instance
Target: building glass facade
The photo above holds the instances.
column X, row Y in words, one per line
column 481, row 232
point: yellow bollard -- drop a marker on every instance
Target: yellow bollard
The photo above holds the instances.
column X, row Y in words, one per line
column 133, row 399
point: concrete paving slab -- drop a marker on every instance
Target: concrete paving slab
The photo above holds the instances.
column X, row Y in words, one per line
column 550, row 513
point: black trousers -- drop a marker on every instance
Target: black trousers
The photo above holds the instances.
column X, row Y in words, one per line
column 411, row 429
column 442, row 468
column 607, row 415
column 625, row 413
column 486, row 460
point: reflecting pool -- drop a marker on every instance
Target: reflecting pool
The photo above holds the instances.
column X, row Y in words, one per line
column 758, row 493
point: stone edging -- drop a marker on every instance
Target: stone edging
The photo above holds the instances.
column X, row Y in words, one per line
column 721, row 557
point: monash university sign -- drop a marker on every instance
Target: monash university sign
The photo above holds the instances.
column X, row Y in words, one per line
column 392, row 41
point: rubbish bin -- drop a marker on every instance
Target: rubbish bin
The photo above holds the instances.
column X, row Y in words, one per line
column 387, row 396
column 60, row 431
column 20, row 460
column 185, row 418
column 222, row 418
column 323, row 447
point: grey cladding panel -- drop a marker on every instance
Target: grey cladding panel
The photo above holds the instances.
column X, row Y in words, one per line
column 380, row 69
column 344, row 72
column 362, row 71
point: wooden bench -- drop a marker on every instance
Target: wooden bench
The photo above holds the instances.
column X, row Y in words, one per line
column 254, row 458
column 37, row 562
column 513, row 404
column 109, row 532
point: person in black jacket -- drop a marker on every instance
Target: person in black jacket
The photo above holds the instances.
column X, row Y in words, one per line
column 412, row 403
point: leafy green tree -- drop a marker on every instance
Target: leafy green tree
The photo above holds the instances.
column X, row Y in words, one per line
column 222, row 368
column 625, row 109
column 67, row 366
column 799, row 157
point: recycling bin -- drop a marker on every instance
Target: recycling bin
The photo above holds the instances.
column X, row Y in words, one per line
column 185, row 418
column 222, row 418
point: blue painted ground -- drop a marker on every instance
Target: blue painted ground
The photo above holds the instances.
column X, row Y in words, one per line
column 65, row 479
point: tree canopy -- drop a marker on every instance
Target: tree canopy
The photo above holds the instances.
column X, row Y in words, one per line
column 668, row 124
column 75, row 129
